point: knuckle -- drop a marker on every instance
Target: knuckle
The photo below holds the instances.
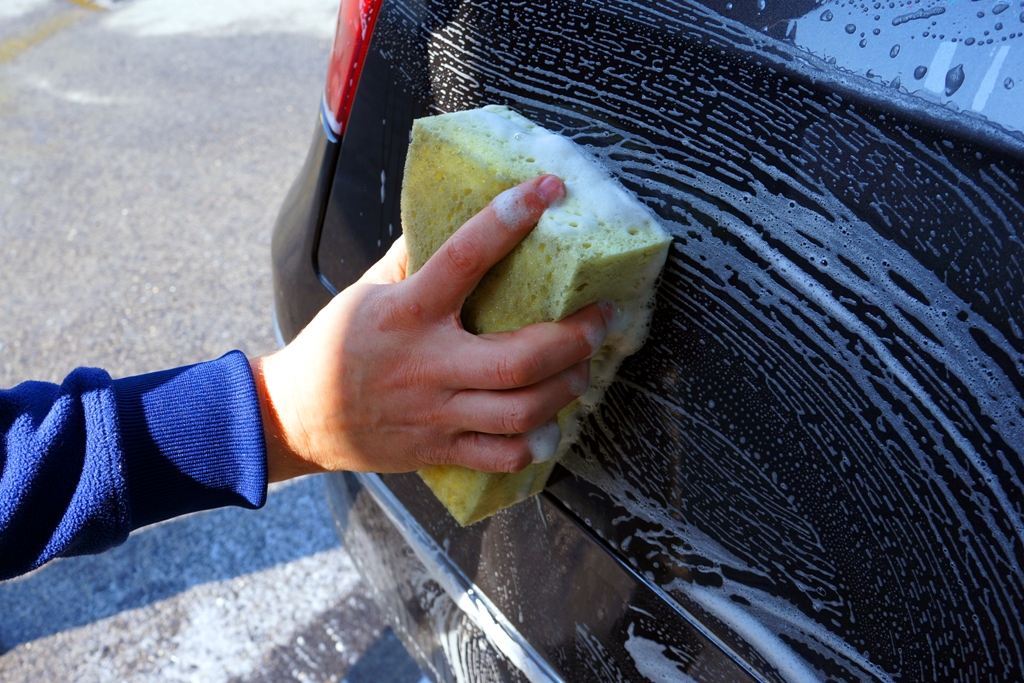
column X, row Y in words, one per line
column 446, row 453
column 515, row 417
column 489, row 453
column 518, row 370
column 448, row 456
column 388, row 313
column 461, row 255
column 505, row 372
column 515, row 456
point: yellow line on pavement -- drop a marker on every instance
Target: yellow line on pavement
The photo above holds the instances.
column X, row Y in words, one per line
column 13, row 47
column 89, row 5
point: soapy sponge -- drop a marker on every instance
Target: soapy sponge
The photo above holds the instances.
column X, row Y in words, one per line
column 598, row 243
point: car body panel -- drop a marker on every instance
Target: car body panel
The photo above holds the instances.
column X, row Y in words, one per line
column 554, row 601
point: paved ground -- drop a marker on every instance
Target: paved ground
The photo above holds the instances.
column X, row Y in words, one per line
column 144, row 152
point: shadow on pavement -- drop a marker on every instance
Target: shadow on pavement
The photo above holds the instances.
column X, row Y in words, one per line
column 163, row 560
column 387, row 660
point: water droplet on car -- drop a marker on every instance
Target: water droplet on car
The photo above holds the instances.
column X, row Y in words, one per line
column 1000, row 8
column 827, row 15
column 920, row 71
column 894, row 50
column 969, row 41
column 1008, row 83
column 954, row 79
column 851, row 28
column 895, row 83
column 863, row 42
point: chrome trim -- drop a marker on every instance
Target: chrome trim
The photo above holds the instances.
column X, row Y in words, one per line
column 332, row 129
column 694, row 622
column 278, row 335
column 488, row 618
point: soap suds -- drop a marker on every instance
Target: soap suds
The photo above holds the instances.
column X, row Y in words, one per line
column 510, row 209
column 577, row 385
column 532, row 150
column 652, row 662
column 543, row 441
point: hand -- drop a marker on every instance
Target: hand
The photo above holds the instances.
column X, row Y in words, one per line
column 385, row 378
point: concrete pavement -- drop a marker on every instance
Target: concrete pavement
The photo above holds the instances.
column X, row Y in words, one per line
column 144, row 151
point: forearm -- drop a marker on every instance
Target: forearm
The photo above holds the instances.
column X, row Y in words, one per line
column 62, row 487
column 84, row 463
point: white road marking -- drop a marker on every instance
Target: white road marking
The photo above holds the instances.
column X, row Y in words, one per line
column 17, row 8
column 226, row 17
column 936, row 80
column 989, row 81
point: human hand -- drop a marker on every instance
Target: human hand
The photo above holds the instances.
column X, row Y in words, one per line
column 385, row 378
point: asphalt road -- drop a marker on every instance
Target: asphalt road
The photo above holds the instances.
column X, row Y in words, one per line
column 144, row 151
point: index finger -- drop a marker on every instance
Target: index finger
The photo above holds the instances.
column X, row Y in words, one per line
column 453, row 272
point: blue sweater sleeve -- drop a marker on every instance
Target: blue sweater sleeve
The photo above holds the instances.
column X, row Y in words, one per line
column 84, row 463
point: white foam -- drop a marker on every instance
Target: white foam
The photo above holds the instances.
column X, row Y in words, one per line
column 593, row 199
column 767, row 643
column 509, row 207
column 650, row 660
column 775, row 617
column 543, row 441
column 579, row 385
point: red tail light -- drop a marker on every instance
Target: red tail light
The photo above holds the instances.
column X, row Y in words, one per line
column 356, row 19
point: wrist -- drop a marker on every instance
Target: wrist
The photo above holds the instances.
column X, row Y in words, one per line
column 283, row 456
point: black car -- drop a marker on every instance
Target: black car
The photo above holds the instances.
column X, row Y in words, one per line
column 813, row 470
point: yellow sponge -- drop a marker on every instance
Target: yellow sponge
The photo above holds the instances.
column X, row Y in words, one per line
column 598, row 243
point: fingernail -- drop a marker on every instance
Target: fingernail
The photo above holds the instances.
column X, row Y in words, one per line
column 543, row 441
column 552, row 189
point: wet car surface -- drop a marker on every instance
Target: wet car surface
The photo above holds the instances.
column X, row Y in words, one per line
column 813, row 469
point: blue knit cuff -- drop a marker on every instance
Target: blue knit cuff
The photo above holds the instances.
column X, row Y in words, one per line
column 192, row 439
